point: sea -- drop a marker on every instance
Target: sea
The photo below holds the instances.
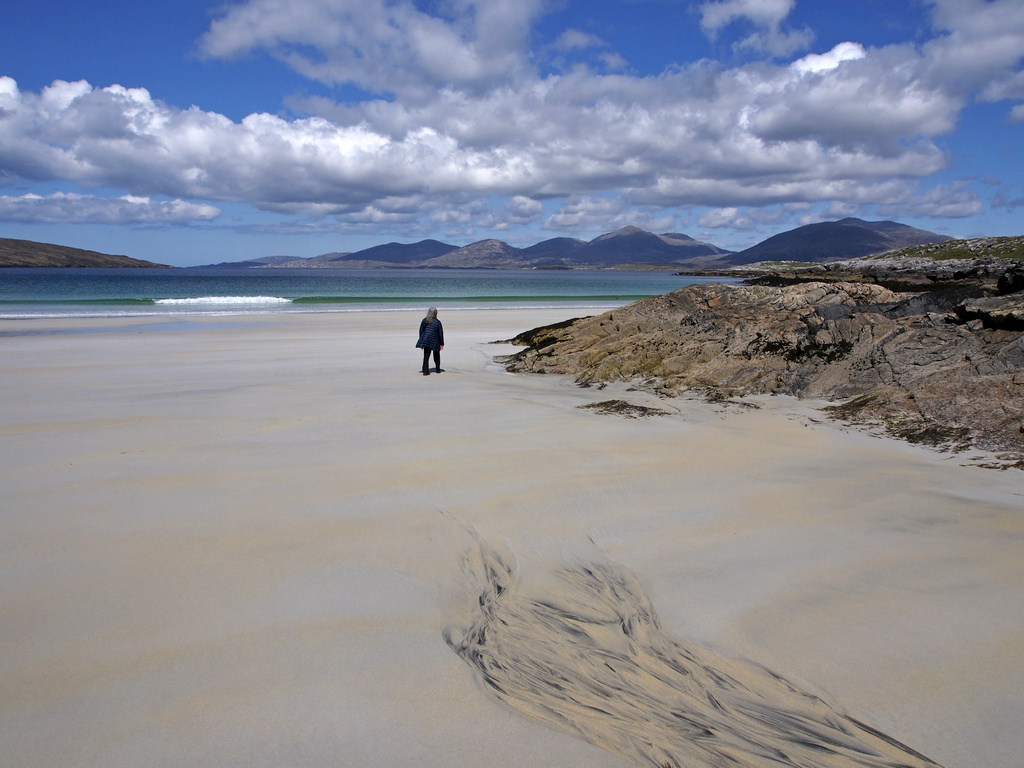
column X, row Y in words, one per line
column 190, row 292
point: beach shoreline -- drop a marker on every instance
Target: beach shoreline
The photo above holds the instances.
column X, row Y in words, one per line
column 237, row 540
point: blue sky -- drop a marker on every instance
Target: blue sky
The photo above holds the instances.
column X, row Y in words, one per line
column 193, row 132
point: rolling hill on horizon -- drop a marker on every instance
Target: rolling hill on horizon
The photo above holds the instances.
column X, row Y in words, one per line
column 629, row 247
column 632, row 246
column 28, row 253
column 848, row 238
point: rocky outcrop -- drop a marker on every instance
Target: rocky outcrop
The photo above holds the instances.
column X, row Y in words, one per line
column 914, row 275
column 945, row 368
column 990, row 263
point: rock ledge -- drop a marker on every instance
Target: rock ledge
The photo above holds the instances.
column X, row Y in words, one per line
column 944, row 368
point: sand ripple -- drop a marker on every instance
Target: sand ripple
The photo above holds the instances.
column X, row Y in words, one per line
column 589, row 657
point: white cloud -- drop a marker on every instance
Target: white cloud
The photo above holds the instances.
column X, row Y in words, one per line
column 382, row 46
column 61, row 207
column 478, row 123
column 944, row 201
column 576, row 39
column 584, row 214
column 1008, row 87
column 834, row 210
column 766, row 16
column 746, row 221
column 714, row 16
column 878, row 105
column 981, row 50
column 717, row 218
column 523, row 209
column 613, row 62
column 8, row 90
column 982, row 46
column 753, row 135
column 823, row 62
column 587, row 213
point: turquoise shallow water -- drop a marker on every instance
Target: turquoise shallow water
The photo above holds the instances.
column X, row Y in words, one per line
column 41, row 293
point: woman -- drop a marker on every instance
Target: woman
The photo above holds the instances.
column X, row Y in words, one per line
column 431, row 340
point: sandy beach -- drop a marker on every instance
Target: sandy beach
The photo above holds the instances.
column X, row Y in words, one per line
column 243, row 541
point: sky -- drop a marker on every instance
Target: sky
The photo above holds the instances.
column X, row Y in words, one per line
column 196, row 132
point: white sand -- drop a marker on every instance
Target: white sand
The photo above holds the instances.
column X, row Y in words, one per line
column 237, row 542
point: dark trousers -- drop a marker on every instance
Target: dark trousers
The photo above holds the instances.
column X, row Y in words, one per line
column 426, row 359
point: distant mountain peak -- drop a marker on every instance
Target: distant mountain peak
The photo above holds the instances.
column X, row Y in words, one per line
column 626, row 231
column 398, row 253
column 676, row 236
column 824, row 241
column 632, row 247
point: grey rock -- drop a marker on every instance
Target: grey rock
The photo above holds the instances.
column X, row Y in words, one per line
column 943, row 368
column 1012, row 280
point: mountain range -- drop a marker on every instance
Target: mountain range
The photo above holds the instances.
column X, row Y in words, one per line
column 629, row 247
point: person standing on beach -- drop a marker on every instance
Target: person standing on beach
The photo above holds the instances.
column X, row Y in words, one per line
column 431, row 340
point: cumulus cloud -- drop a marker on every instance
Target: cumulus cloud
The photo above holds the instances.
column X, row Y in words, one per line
column 523, row 209
column 823, row 62
column 590, row 213
column 473, row 121
column 944, row 201
column 718, row 218
column 744, row 221
column 696, row 136
column 576, row 39
column 766, row 13
column 63, row 207
column 613, row 62
column 980, row 49
column 767, row 17
column 382, row 46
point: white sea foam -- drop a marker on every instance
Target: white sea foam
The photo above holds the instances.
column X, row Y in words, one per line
column 212, row 309
column 221, row 300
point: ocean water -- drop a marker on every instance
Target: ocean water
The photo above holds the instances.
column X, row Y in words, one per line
column 55, row 293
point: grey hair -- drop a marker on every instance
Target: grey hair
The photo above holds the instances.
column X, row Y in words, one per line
column 431, row 314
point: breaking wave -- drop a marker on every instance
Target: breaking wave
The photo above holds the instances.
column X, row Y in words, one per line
column 225, row 300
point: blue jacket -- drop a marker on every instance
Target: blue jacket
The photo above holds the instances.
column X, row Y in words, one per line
column 431, row 336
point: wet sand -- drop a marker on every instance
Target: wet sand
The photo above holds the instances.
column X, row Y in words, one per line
column 245, row 541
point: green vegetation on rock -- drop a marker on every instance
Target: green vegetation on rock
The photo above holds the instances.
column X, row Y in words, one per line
column 975, row 248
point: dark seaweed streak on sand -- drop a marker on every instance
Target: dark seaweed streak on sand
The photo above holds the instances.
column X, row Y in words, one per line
column 590, row 658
